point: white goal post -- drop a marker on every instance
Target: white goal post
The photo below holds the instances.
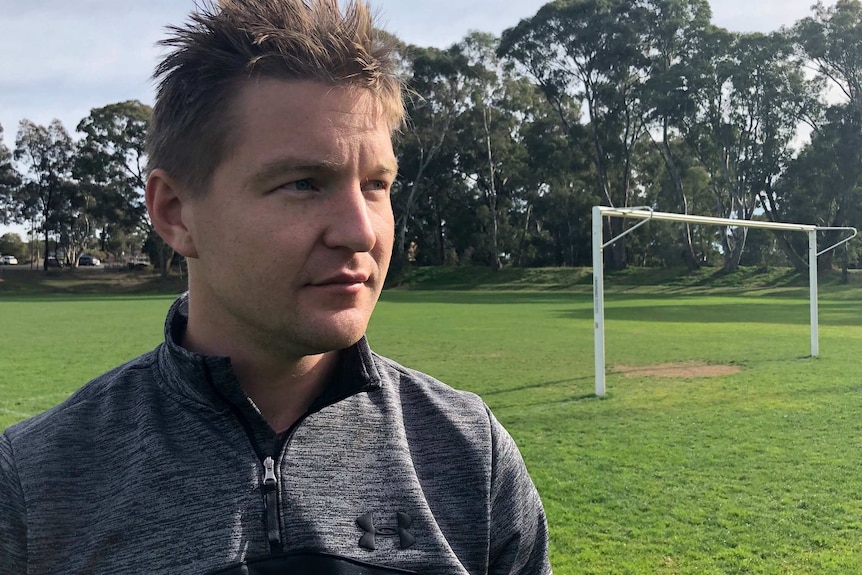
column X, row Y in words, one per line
column 645, row 214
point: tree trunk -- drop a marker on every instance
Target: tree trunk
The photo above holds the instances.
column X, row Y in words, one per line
column 733, row 251
column 45, row 259
column 798, row 262
column 689, row 255
column 616, row 256
column 401, row 232
column 492, row 197
column 166, row 253
column 400, row 256
column 522, row 245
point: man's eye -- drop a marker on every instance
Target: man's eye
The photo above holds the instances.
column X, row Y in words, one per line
column 375, row 185
column 304, row 185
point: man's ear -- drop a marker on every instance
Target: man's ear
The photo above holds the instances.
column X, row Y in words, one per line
column 165, row 205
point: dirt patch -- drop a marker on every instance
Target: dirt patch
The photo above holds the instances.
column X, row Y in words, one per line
column 685, row 370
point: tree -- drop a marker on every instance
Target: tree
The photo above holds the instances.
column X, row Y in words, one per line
column 823, row 185
column 828, row 170
column 492, row 156
column 832, row 40
column 10, row 179
column 469, row 195
column 590, row 51
column 665, row 168
column 48, row 191
column 436, row 85
column 750, row 98
column 112, row 166
column 674, row 40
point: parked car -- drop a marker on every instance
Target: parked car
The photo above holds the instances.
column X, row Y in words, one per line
column 8, row 260
column 139, row 263
column 53, row 262
column 88, row 260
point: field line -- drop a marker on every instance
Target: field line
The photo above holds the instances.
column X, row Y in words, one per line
column 32, row 398
column 4, row 411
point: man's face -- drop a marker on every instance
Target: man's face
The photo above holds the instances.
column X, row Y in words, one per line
column 294, row 235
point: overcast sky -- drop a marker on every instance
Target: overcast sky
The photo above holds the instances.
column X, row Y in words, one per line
column 62, row 58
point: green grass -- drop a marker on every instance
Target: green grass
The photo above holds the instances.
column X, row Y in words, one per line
column 757, row 472
column 51, row 345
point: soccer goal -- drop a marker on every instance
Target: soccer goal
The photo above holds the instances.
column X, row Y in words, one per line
column 646, row 214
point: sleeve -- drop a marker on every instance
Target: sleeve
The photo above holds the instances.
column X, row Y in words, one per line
column 519, row 529
column 13, row 522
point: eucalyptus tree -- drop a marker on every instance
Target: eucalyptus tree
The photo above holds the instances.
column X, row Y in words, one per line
column 463, row 194
column 674, row 44
column 111, row 164
column 831, row 41
column 590, row 51
column 10, row 179
column 48, row 194
column 674, row 243
column 442, row 220
column 492, row 157
column 823, row 185
column 558, row 231
column 559, row 186
column 751, row 95
column 436, row 97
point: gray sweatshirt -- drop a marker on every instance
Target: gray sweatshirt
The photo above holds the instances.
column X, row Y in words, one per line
column 164, row 465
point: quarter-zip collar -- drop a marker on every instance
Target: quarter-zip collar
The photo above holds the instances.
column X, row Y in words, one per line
column 210, row 381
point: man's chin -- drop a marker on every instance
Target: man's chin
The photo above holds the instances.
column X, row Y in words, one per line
column 325, row 331
column 321, row 347
column 332, row 340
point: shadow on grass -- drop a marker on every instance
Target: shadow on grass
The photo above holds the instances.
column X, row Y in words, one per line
column 547, row 402
column 837, row 313
column 485, row 297
column 89, row 298
column 25, row 284
column 675, row 277
column 540, row 385
column 544, row 400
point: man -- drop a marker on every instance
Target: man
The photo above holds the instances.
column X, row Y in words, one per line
column 264, row 436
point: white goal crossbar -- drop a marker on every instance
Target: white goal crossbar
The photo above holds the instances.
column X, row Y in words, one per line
column 647, row 214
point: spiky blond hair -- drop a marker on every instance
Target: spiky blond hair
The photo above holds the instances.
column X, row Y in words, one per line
column 225, row 45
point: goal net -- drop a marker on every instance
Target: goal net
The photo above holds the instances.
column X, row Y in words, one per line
column 648, row 214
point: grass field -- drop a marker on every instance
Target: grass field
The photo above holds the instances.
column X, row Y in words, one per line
column 755, row 472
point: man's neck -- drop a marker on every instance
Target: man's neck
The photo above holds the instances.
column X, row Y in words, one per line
column 282, row 387
column 283, row 393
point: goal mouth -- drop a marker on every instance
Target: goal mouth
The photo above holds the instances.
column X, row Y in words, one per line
column 683, row 370
column 646, row 214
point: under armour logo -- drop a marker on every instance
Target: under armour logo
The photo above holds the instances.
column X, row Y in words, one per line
column 366, row 523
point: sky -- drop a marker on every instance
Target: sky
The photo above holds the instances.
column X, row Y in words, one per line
column 60, row 59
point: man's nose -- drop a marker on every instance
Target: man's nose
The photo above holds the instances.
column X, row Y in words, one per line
column 351, row 221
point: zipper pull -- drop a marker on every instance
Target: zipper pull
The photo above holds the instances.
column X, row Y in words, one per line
column 269, row 478
column 270, row 504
